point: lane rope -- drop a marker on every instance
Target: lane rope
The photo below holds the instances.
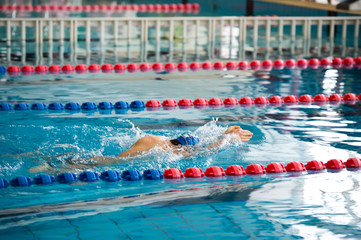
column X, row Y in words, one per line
column 199, row 103
column 180, row 7
column 170, row 67
column 294, row 168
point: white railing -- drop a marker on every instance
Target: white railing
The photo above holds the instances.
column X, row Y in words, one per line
column 212, row 30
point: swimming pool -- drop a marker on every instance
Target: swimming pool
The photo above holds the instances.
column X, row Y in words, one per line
column 269, row 206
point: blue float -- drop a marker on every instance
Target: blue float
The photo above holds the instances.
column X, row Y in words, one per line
column 3, row 183
column 121, row 105
column 2, row 69
column 66, row 177
column 137, row 104
column 5, row 107
column 56, row 106
column 110, row 176
column 44, row 179
column 38, row 106
column 72, row 106
column 152, row 174
column 89, row 106
column 88, row 176
column 105, row 105
column 20, row 181
column 21, row 106
column 131, row 175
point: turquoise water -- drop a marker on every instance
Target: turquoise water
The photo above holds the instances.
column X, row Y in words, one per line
column 254, row 207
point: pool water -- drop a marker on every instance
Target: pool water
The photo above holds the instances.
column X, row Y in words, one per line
column 284, row 206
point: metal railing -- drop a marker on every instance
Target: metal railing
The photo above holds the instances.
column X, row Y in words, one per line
column 210, row 29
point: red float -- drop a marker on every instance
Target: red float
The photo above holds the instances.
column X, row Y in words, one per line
column 275, row 99
column 335, row 164
column 81, row 68
column 173, row 173
column 193, row 173
column 86, row 8
column 67, row 68
column 306, row 98
column 336, row 62
column 119, row 68
column 27, row 68
column 235, row 170
column 54, row 69
column 357, row 61
column 182, row 66
column 185, row 102
column 315, row 165
column 320, row 98
column 261, row 100
column 290, row 63
column 255, row 169
column 80, row 8
column 29, row 8
column 219, row 66
column 127, row 7
column 95, row 8
column 152, row 104
column 134, row 7
column 207, row 66
column 132, row 67
column 325, row 62
column 279, row 64
column 350, row 97
column 353, row 163
column 295, row 167
column 290, row 99
column 230, row 101
column 150, row 7
column 180, row 7
column 107, row 68
column 243, row 65
column 214, row 172
column 255, row 65
column 246, row 101
column 169, row 103
column 172, row 7
column 142, row 8
column 94, row 68
column 231, row 66
column 41, row 68
column 215, row 101
column 170, row 67
column 13, row 69
column 302, row 63
column 335, row 98
column 275, row 168
column 267, row 64
column 348, row 62
column 314, row 63
column 145, row 67
column 359, row 97
column 157, row 7
column 158, row 67
column 195, row 66
column 165, row 7
column 195, row 6
column 200, row 102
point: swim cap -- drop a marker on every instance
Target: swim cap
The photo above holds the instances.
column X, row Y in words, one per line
column 188, row 139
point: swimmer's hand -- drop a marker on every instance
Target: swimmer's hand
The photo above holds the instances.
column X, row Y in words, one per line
column 242, row 135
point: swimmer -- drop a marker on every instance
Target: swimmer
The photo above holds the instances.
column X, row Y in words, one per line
column 184, row 145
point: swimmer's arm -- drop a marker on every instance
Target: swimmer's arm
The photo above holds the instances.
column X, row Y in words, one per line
column 237, row 134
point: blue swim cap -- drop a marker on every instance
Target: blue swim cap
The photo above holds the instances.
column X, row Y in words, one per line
column 188, row 140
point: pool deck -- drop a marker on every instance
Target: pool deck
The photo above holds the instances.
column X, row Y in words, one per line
column 313, row 5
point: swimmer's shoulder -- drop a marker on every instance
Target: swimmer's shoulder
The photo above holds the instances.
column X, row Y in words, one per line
column 153, row 139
